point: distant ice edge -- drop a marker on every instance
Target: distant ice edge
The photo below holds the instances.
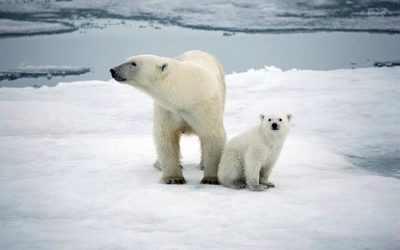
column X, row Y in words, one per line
column 28, row 27
column 48, row 71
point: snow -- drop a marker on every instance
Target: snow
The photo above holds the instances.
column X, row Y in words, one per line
column 75, row 163
column 30, row 71
column 10, row 27
column 232, row 15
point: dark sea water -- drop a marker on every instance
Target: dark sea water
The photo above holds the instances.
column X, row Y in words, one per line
column 101, row 48
column 314, row 34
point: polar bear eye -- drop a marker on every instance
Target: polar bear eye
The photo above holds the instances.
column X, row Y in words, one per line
column 269, row 119
column 280, row 119
column 133, row 64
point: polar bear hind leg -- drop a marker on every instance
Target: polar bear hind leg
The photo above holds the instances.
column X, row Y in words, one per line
column 230, row 172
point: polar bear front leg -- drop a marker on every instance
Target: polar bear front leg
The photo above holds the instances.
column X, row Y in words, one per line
column 264, row 175
column 252, row 172
column 167, row 138
column 211, row 151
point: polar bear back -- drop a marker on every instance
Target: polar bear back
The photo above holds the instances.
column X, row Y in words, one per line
column 209, row 63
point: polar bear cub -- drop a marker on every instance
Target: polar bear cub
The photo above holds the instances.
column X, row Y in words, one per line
column 248, row 158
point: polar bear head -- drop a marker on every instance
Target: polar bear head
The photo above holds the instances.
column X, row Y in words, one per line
column 143, row 71
column 276, row 123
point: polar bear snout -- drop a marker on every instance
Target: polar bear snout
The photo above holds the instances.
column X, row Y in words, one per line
column 115, row 74
column 274, row 126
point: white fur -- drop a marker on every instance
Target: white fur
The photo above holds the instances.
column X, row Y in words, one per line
column 189, row 97
column 249, row 157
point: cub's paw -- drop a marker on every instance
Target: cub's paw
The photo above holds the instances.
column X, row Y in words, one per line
column 213, row 180
column 175, row 180
column 258, row 188
column 268, row 184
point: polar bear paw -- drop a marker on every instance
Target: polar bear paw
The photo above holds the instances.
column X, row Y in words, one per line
column 213, row 180
column 175, row 180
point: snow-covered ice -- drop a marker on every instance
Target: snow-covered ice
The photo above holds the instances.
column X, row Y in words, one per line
column 75, row 164
column 10, row 27
column 30, row 71
column 387, row 63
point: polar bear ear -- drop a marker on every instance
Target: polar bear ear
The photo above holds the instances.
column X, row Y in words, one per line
column 262, row 117
column 163, row 67
column 289, row 117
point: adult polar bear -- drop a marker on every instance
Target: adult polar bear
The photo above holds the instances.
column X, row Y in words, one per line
column 189, row 97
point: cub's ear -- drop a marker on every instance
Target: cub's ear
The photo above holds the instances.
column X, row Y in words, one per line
column 163, row 67
column 262, row 117
column 289, row 117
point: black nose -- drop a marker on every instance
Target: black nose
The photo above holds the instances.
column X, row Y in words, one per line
column 112, row 71
column 274, row 126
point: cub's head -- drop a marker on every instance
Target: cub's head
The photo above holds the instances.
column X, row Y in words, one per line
column 276, row 123
column 143, row 71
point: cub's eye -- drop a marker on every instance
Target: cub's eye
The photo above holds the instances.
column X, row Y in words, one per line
column 133, row 64
column 269, row 119
column 280, row 119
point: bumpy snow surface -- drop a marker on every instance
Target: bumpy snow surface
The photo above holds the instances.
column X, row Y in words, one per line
column 75, row 164
column 233, row 15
